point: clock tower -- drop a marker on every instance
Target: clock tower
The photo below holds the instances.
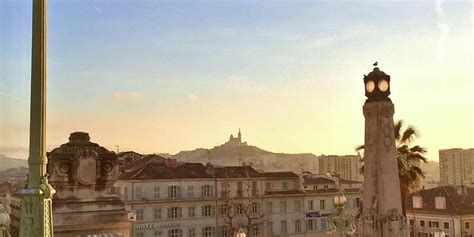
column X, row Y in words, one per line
column 382, row 205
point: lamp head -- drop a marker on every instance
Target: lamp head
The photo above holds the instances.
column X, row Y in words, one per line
column 377, row 86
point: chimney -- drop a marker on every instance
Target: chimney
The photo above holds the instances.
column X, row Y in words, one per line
column 417, row 201
column 440, row 202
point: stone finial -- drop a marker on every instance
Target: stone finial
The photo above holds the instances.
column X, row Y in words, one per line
column 79, row 137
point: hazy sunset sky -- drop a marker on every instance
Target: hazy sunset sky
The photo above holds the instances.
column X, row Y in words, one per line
column 166, row 76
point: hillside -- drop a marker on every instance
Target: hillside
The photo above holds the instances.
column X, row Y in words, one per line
column 236, row 152
column 7, row 163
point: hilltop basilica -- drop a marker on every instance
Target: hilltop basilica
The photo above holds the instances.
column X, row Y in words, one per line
column 235, row 141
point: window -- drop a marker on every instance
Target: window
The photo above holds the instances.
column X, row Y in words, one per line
column 223, row 231
column 138, row 193
column 254, row 188
column 224, row 187
column 433, row 224
column 192, row 232
column 323, row 223
column 315, row 187
column 175, row 233
column 283, row 227
column 269, row 227
column 174, row 212
column 269, row 207
column 191, row 211
column 297, row 206
column 321, row 204
column 207, row 191
column 174, row 192
column 190, row 191
column 254, row 231
column 283, row 207
column 357, row 202
column 311, row 224
column 157, row 234
column 125, row 193
column 207, row 210
column 240, row 192
column 412, row 222
column 139, row 213
column 326, row 186
column 467, row 225
column 223, row 210
column 254, row 208
column 156, row 192
column 422, row 223
column 157, row 213
column 297, row 226
column 285, row 185
column 446, row 225
column 310, row 205
column 240, row 209
column 268, row 186
column 207, row 232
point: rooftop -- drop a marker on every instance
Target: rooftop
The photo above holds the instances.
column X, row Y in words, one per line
column 459, row 200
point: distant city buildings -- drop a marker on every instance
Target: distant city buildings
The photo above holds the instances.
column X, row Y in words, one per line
column 431, row 170
column 348, row 167
column 172, row 199
column 443, row 211
column 456, row 166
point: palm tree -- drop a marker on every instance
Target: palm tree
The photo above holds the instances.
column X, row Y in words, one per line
column 408, row 158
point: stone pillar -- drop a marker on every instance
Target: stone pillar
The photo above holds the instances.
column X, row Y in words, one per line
column 382, row 204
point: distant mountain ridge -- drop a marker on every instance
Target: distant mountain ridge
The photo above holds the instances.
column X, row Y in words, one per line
column 8, row 162
column 236, row 152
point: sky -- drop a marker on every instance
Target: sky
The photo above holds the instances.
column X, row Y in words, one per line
column 166, row 76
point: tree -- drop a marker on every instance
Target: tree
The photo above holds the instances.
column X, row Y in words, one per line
column 242, row 211
column 408, row 158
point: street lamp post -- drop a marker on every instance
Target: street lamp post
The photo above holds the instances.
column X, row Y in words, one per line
column 241, row 233
column 341, row 222
column 36, row 206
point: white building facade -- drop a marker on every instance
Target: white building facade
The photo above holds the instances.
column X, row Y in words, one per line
column 444, row 211
column 172, row 199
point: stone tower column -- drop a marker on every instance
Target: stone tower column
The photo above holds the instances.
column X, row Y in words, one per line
column 382, row 205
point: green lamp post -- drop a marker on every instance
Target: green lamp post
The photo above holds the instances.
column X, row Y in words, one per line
column 340, row 222
column 36, row 207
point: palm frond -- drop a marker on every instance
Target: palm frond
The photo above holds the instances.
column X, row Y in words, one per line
column 418, row 149
column 397, row 128
column 409, row 135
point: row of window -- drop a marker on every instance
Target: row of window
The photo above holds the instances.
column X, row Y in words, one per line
column 431, row 224
column 424, row 234
column 206, row 211
column 283, row 209
column 173, row 192
column 205, row 232
column 223, row 231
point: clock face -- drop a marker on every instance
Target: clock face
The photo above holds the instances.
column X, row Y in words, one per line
column 370, row 86
column 383, row 85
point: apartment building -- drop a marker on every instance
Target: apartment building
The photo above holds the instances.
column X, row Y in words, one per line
column 456, row 166
column 173, row 199
column 445, row 211
column 348, row 167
